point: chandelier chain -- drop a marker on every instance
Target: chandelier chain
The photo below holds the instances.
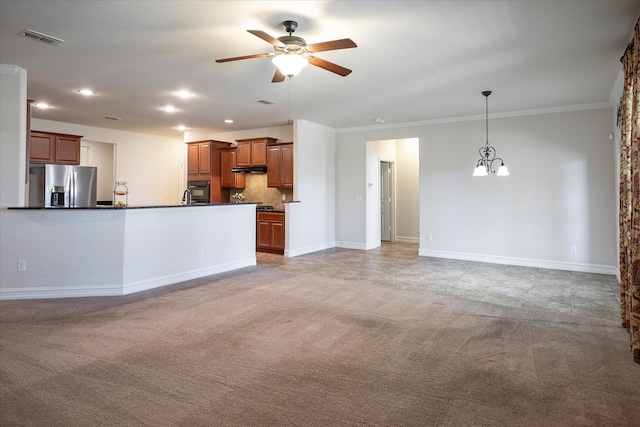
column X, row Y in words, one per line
column 486, row 118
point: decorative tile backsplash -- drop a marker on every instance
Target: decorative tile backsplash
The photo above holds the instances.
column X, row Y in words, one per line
column 256, row 190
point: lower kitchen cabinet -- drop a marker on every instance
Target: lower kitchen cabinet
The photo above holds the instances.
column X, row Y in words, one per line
column 270, row 232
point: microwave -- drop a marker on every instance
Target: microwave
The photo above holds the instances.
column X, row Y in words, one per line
column 200, row 191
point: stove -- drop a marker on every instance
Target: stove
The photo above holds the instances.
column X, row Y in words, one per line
column 264, row 208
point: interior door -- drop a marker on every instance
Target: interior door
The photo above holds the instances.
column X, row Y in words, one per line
column 385, row 201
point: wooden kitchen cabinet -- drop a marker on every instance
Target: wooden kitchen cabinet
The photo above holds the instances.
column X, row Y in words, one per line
column 55, row 148
column 228, row 162
column 280, row 165
column 199, row 158
column 204, row 163
column 253, row 152
column 270, row 232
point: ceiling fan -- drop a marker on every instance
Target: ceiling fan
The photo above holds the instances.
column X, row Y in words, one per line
column 295, row 52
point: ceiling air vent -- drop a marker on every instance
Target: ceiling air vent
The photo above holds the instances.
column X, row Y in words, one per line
column 265, row 101
column 41, row 37
column 112, row 118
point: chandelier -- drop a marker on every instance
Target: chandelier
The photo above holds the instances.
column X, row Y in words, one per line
column 488, row 153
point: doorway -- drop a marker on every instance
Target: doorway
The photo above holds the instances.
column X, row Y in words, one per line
column 386, row 202
column 101, row 155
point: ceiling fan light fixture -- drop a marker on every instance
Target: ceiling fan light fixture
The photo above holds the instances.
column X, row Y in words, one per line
column 290, row 64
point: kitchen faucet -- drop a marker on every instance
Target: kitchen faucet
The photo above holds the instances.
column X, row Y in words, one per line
column 186, row 196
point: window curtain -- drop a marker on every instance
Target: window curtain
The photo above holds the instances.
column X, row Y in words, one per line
column 630, row 194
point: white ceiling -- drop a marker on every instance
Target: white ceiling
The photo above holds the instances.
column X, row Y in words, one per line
column 415, row 60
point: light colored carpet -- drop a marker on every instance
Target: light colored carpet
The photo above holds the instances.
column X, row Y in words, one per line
column 270, row 347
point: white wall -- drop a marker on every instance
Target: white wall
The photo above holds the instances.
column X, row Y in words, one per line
column 560, row 192
column 351, row 188
column 407, row 190
column 312, row 228
column 152, row 165
column 13, row 122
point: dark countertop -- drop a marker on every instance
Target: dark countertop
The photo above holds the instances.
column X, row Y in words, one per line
column 116, row 208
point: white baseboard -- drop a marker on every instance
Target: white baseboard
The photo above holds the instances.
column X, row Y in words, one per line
column 407, row 239
column 524, row 262
column 309, row 249
column 118, row 289
column 352, row 245
column 157, row 282
column 45, row 292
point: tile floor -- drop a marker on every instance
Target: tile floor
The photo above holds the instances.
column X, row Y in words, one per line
column 398, row 265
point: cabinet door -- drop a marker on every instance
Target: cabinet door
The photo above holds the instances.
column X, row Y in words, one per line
column 286, row 166
column 259, row 152
column 274, row 177
column 67, row 150
column 277, row 235
column 263, row 234
column 204, row 158
column 243, row 153
column 42, row 148
column 192, row 159
column 230, row 179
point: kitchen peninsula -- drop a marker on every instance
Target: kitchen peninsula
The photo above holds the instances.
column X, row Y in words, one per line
column 75, row 252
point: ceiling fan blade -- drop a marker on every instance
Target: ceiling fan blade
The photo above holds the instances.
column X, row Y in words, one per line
column 278, row 76
column 332, row 45
column 266, row 37
column 329, row 66
column 238, row 58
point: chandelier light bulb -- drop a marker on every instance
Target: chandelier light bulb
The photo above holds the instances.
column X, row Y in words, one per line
column 480, row 170
column 502, row 170
column 290, row 64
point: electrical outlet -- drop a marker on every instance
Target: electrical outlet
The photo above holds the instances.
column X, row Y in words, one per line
column 429, row 238
column 574, row 249
column 22, row 265
column 201, row 253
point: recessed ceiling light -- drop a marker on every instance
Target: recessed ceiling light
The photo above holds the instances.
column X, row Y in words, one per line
column 228, row 121
column 378, row 120
column 181, row 128
column 184, row 93
column 87, row 92
column 41, row 105
column 169, row 108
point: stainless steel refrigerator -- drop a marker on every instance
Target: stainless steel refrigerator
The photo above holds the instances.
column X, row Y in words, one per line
column 62, row 186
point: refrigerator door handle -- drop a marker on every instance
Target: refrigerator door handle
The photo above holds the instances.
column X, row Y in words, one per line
column 72, row 189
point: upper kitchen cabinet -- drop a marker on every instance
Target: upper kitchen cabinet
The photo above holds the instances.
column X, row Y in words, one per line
column 253, row 152
column 204, row 162
column 56, row 148
column 230, row 179
column 280, row 165
column 199, row 158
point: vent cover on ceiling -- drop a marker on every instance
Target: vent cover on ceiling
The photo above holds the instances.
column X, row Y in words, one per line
column 41, row 37
column 265, row 101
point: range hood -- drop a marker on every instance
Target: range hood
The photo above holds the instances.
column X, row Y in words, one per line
column 249, row 169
